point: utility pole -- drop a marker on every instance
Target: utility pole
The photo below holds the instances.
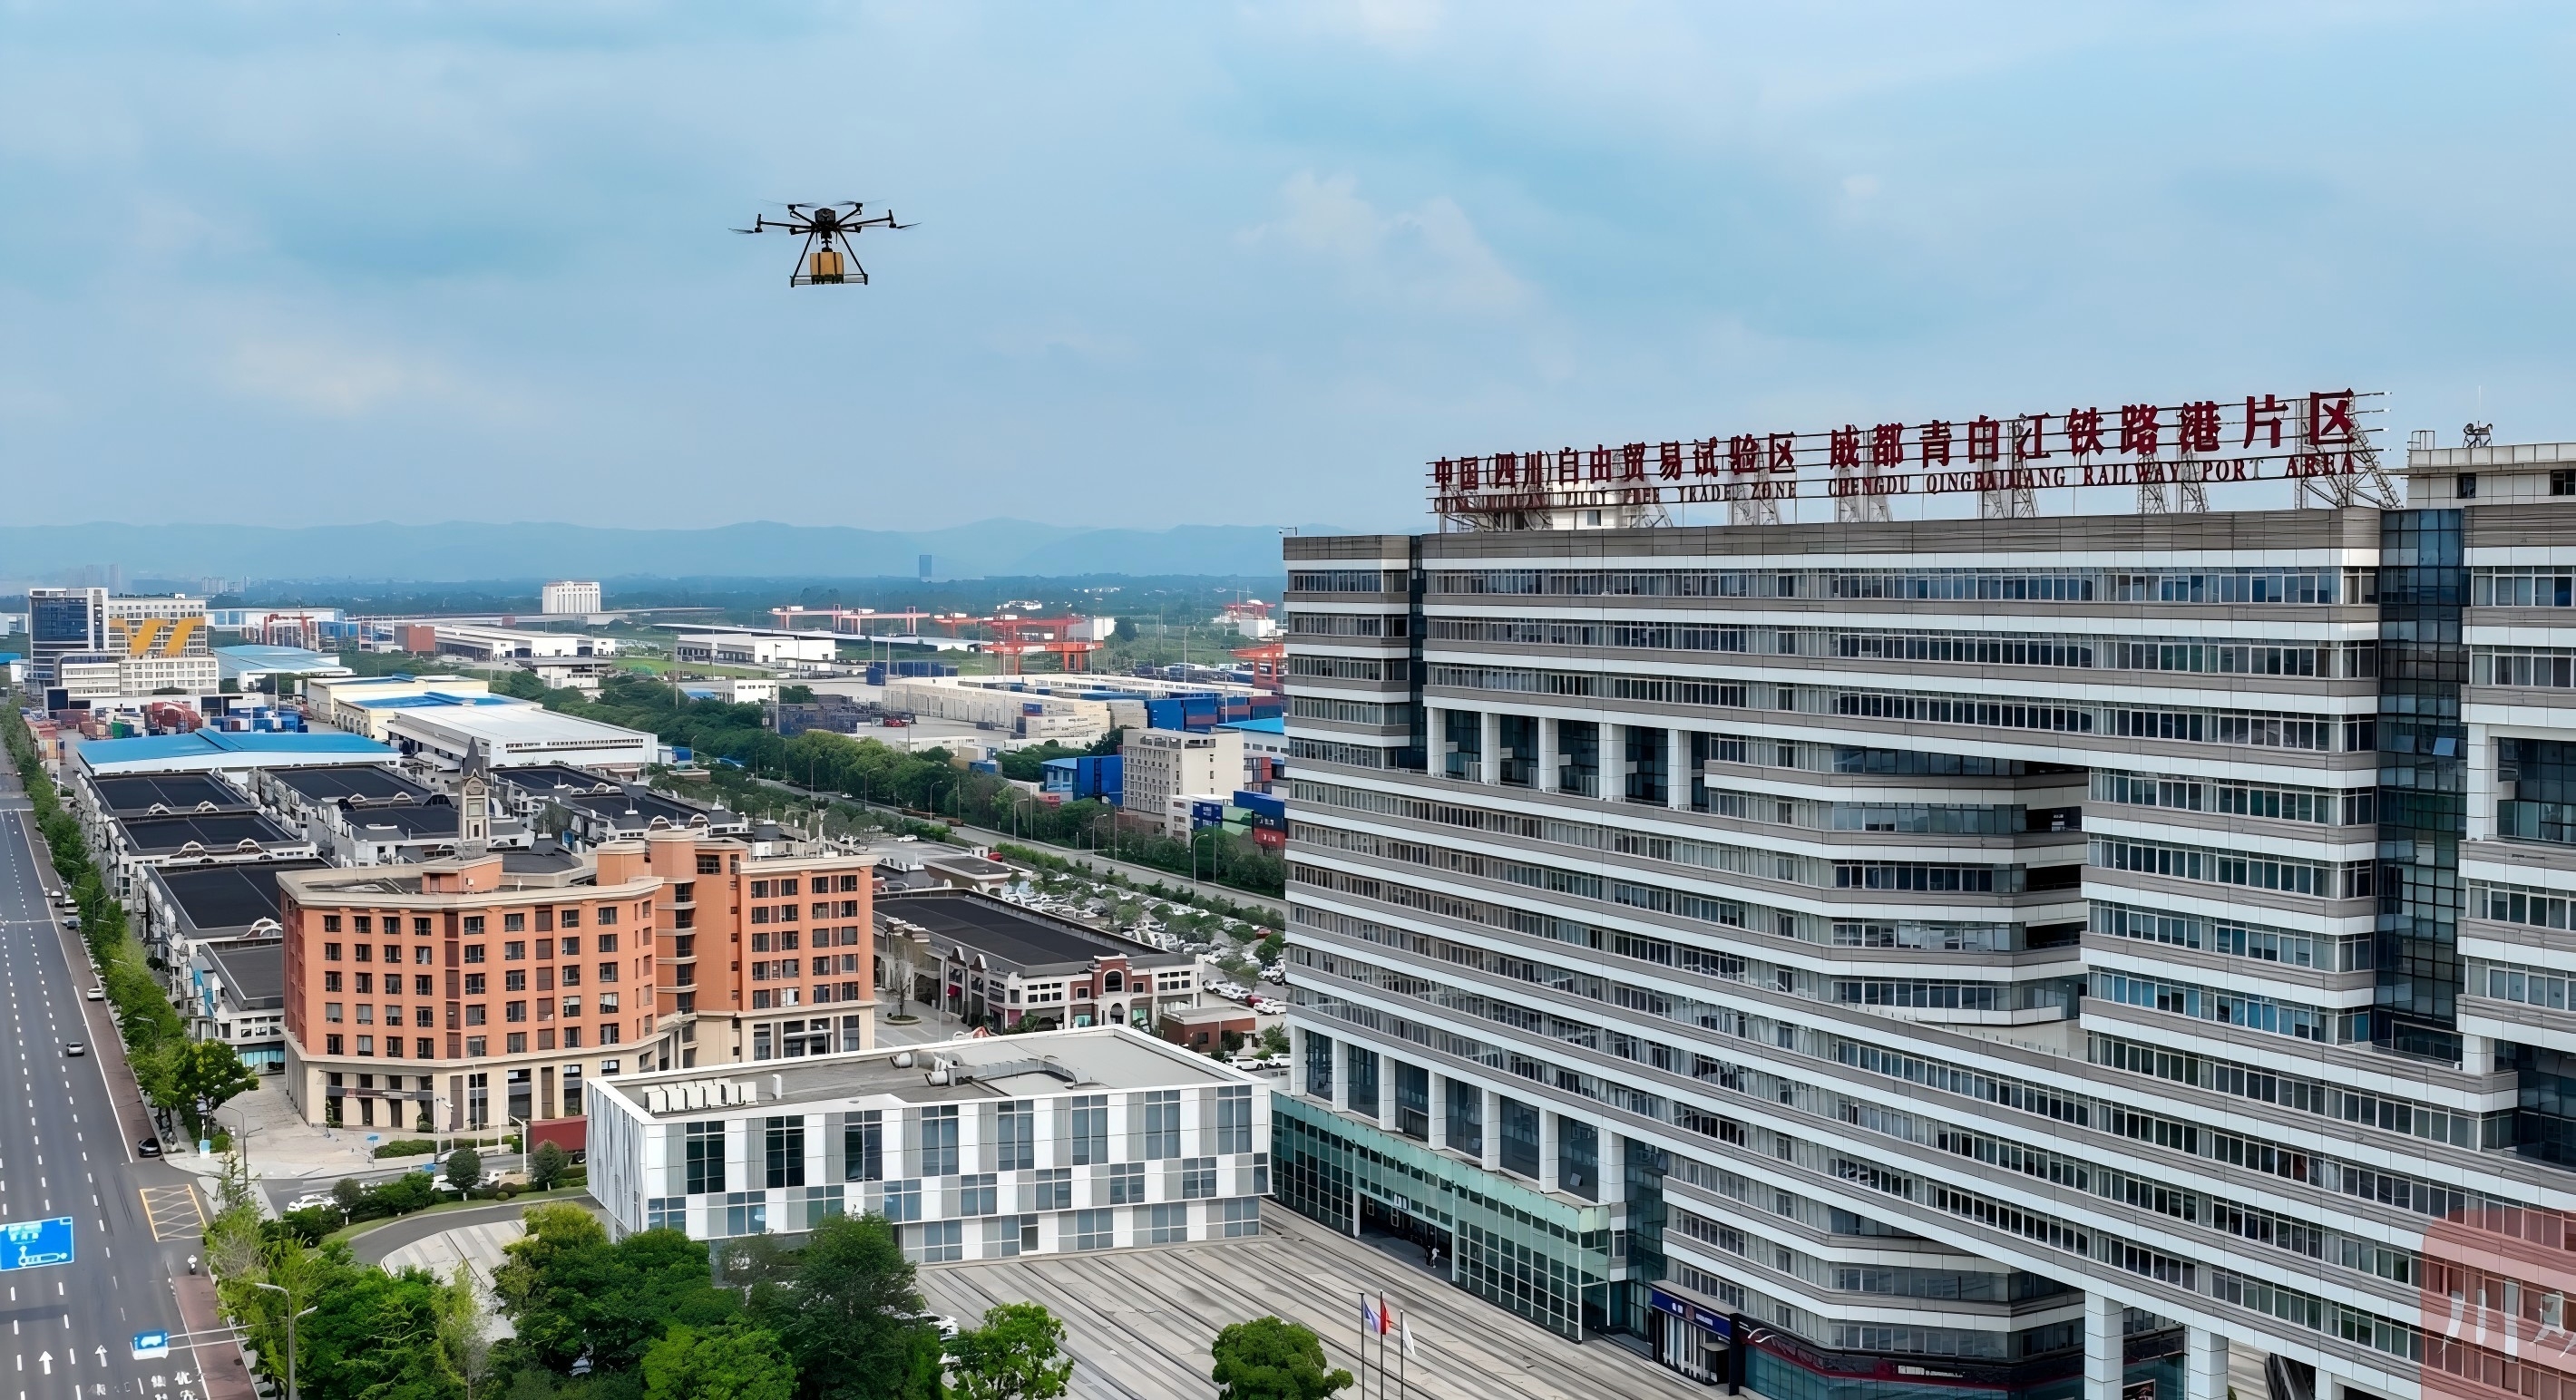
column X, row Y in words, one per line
column 290, row 1332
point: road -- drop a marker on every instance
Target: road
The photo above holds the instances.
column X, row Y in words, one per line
column 65, row 1153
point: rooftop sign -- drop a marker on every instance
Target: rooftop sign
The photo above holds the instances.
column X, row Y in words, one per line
column 2270, row 437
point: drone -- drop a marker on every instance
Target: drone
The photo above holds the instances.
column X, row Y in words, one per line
column 826, row 227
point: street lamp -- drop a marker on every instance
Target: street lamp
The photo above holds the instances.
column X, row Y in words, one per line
column 290, row 1333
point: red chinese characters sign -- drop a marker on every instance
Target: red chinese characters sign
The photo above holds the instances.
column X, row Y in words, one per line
column 2260, row 437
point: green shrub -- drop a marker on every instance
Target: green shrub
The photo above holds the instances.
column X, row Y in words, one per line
column 406, row 1147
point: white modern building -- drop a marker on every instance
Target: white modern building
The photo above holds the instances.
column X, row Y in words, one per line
column 356, row 703
column 1162, row 764
column 440, row 730
column 1989, row 956
column 474, row 642
column 767, row 648
column 569, row 598
column 1053, row 1142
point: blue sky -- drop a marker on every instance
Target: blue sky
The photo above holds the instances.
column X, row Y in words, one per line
column 1209, row 263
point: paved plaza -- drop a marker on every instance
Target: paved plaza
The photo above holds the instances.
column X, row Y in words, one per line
column 1138, row 1322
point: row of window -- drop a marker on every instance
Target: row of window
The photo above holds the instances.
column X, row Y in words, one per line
column 2321, row 879
column 567, row 916
column 2256, row 585
column 2240, row 728
column 2346, row 660
column 2347, row 953
column 934, row 1149
column 2317, row 806
column 426, row 955
column 474, row 1046
column 571, row 1008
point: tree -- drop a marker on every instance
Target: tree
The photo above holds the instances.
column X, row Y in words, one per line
column 730, row 1361
column 1274, row 1041
column 569, row 1291
column 180, row 1076
column 464, row 1169
column 348, row 1193
column 851, row 1320
column 465, row 1331
column 1012, row 1356
column 546, row 1166
column 1271, row 1359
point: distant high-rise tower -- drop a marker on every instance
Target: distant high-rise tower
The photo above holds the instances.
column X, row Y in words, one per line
column 925, row 568
column 567, row 596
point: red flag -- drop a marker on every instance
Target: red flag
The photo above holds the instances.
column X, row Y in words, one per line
column 1385, row 1323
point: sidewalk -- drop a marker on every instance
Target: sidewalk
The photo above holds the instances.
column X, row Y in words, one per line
column 220, row 1371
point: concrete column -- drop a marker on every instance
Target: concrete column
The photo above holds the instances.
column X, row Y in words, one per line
column 1440, row 1114
column 1490, row 739
column 2104, row 1360
column 1550, row 1144
column 1677, row 769
column 1341, row 1077
column 1613, row 1166
column 2204, row 1375
column 2477, row 1054
column 1491, row 1140
column 1546, row 755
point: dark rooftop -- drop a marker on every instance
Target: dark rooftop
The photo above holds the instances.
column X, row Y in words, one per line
column 412, row 820
column 1008, row 935
column 219, row 897
column 548, row 858
column 256, row 973
column 216, row 831
column 361, row 782
column 177, row 792
column 644, row 804
column 548, row 778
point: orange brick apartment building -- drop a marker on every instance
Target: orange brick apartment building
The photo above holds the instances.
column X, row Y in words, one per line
column 461, row 991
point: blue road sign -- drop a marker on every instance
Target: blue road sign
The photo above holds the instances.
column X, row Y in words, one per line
column 151, row 1346
column 30, row 1244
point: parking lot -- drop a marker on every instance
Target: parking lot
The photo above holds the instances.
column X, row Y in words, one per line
column 1139, row 1322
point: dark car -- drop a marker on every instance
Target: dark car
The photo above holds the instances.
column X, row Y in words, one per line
column 149, row 1147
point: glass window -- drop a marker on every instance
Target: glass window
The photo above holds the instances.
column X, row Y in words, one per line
column 1125, row 1184
column 786, row 1145
column 666, row 1213
column 1198, row 1178
column 1240, row 1216
column 1015, row 1137
column 978, row 1195
column 1052, row 1189
column 746, row 1213
column 863, row 1146
column 1095, row 1229
column 938, row 1145
column 942, row 1240
column 1161, row 1129
column 1006, row 1236
column 705, row 1147
column 1087, row 1131
column 903, row 1200
column 1167, row 1224
column 1234, row 1119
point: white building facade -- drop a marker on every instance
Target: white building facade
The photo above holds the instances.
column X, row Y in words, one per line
column 569, row 597
column 1054, row 1142
column 2027, row 957
column 1162, row 764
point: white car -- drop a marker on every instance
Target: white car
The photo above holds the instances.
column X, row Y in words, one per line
column 309, row 1202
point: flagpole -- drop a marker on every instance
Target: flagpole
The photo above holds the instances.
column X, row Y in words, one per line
column 1404, row 1344
column 1363, row 1346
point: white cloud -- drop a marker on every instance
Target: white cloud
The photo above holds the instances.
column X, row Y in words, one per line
column 328, row 377
column 1430, row 255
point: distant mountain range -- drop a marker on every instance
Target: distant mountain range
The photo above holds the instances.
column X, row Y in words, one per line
column 454, row 551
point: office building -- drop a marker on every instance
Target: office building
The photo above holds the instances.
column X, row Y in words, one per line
column 990, row 962
column 981, row 1149
column 1161, row 764
column 459, row 993
column 1996, row 956
column 764, row 945
column 569, row 598
column 61, row 622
